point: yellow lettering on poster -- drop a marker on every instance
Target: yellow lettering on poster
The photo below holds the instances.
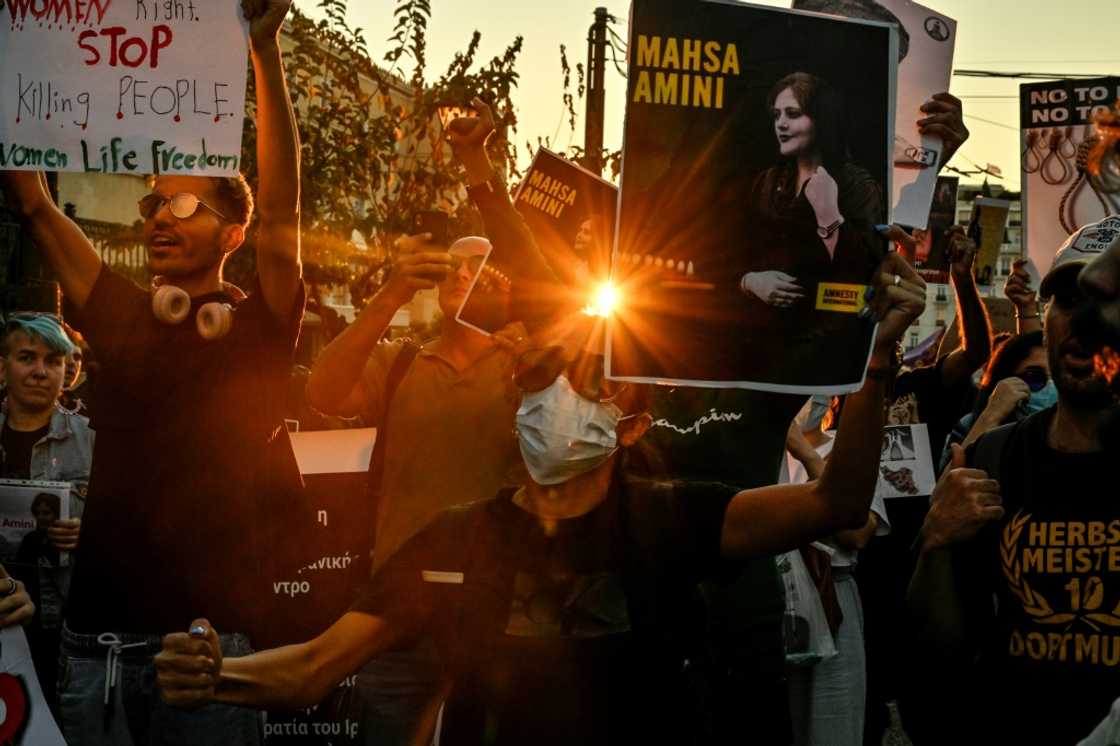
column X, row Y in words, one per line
column 686, row 72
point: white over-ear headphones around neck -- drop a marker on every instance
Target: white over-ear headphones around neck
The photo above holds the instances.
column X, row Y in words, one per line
column 171, row 305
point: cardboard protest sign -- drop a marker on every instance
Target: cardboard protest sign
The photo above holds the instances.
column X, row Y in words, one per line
column 138, row 87
column 23, row 505
column 987, row 227
column 571, row 213
column 1056, row 136
column 931, row 258
column 734, row 268
column 25, row 717
column 925, row 51
column 906, row 465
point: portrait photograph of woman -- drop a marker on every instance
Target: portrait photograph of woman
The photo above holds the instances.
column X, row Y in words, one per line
column 773, row 199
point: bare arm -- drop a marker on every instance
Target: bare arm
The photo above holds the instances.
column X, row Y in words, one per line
column 191, row 671
column 976, row 332
column 278, row 160
column 335, row 383
column 67, row 250
column 777, row 518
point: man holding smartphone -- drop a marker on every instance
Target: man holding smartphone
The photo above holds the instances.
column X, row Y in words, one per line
column 445, row 419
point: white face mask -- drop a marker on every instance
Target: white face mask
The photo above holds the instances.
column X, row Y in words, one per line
column 563, row 435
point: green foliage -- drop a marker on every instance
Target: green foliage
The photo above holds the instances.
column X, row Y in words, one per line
column 371, row 141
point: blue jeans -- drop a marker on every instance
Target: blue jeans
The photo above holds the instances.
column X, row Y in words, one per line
column 396, row 697
column 136, row 715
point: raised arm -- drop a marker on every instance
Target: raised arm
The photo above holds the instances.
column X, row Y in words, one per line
column 67, row 250
column 278, row 254
column 773, row 519
column 335, row 383
column 508, row 233
column 972, row 316
column 191, row 672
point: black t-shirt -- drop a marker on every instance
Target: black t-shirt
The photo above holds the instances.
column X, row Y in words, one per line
column 182, row 480
column 561, row 636
column 732, row 436
column 15, row 462
column 1049, row 666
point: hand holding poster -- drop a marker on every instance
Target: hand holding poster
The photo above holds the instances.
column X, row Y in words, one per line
column 1059, row 195
column 925, row 51
column 756, row 161
column 115, row 87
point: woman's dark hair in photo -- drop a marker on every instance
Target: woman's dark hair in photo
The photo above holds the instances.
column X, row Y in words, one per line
column 49, row 499
column 822, row 103
column 1005, row 359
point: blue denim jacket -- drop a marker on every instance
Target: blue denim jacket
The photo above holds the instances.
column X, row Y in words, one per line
column 63, row 455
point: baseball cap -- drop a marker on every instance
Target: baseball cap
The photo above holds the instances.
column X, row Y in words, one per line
column 1078, row 250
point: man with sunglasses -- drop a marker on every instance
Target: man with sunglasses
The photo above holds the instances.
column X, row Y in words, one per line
column 184, row 487
column 1019, row 566
column 554, row 604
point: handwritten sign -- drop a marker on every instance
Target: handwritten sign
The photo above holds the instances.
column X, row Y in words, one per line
column 141, row 87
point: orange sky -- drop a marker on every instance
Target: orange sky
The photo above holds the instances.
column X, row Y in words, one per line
column 1049, row 36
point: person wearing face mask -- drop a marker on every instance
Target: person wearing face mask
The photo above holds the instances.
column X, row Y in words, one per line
column 1016, row 582
column 554, row 604
column 1015, row 384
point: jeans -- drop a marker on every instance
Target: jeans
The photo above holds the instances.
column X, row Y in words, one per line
column 136, row 715
column 397, row 696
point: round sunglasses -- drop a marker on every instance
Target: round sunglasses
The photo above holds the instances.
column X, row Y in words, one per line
column 182, row 205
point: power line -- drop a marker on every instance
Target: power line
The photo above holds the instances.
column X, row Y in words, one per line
column 1021, row 76
column 991, row 122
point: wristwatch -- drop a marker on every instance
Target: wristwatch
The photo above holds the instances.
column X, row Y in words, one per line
column 826, row 232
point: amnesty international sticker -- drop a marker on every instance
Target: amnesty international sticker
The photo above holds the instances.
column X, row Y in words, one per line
column 840, row 297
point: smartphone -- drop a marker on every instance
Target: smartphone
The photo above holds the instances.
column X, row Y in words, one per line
column 435, row 222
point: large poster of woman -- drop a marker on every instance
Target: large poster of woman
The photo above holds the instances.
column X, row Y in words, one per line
column 756, row 165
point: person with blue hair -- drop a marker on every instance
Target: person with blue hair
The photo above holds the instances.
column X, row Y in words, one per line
column 40, row 440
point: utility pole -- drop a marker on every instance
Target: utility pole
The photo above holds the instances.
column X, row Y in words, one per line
column 596, row 68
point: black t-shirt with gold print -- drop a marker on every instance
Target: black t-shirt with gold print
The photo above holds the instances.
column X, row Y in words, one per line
column 1043, row 592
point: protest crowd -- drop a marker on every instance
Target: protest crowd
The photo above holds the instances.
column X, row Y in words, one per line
column 559, row 554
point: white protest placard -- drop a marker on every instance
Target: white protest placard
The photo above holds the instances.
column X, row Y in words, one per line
column 138, row 87
column 926, row 43
column 26, row 719
column 1059, row 195
column 906, row 465
column 27, row 508
column 333, row 451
